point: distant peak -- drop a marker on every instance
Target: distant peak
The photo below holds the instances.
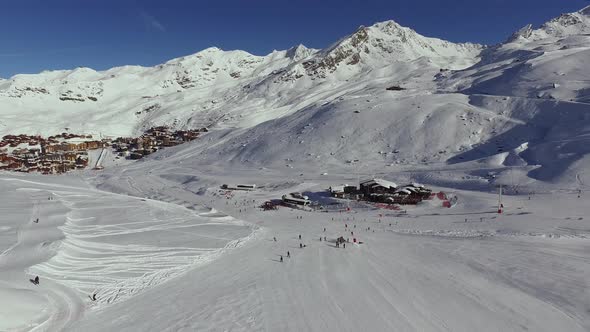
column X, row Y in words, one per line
column 298, row 52
column 387, row 26
column 564, row 25
column 524, row 32
column 212, row 49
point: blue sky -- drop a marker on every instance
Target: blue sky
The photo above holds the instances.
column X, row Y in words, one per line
column 62, row 34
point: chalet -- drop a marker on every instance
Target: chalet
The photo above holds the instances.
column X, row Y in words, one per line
column 52, row 157
column 158, row 131
column 418, row 190
column 345, row 191
column 70, row 156
column 382, row 191
column 93, row 145
column 409, row 194
column 377, row 186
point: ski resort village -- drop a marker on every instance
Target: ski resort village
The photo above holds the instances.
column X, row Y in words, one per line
column 387, row 181
column 67, row 152
column 374, row 193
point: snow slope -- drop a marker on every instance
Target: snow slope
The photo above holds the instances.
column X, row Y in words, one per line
column 523, row 106
column 460, row 269
column 89, row 242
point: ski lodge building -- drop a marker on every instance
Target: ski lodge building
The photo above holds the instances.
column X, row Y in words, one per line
column 383, row 191
column 296, row 199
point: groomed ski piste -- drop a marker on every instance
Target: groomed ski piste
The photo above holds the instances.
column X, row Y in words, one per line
column 92, row 248
column 164, row 249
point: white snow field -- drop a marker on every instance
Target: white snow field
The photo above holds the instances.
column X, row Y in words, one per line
column 89, row 242
column 158, row 261
column 160, row 248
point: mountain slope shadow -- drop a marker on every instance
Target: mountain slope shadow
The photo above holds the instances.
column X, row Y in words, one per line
column 557, row 134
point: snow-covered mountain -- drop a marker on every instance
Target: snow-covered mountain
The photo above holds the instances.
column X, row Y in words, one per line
column 512, row 104
column 206, row 88
column 569, row 24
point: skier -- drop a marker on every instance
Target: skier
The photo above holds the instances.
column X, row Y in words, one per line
column 344, row 245
column 35, row 281
column 300, row 245
column 299, row 236
column 36, row 221
column 281, row 258
column 320, row 239
column 274, row 238
column 288, row 254
column 324, row 229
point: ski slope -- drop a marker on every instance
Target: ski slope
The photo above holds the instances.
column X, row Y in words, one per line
column 431, row 269
column 88, row 242
column 164, row 250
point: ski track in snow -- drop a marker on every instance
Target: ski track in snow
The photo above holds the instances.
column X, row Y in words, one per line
column 99, row 247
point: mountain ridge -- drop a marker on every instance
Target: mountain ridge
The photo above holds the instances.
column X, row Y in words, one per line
column 383, row 93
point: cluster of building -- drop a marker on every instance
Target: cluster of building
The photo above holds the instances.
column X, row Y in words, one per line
column 55, row 154
column 373, row 190
column 383, row 191
column 66, row 152
column 153, row 140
